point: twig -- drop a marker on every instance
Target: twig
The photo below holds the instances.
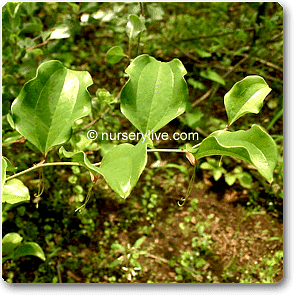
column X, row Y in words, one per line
column 93, row 122
column 21, row 140
column 38, row 45
column 58, row 272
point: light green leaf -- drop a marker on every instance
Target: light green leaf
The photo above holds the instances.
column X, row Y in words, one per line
column 155, row 94
column 134, row 26
column 29, row 248
column 139, row 242
column 123, row 165
column 104, row 95
column 245, row 180
column 246, row 96
column 81, row 158
column 48, row 105
column 9, row 242
column 254, row 146
column 213, row 76
column 230, row 178
column 4, row 166
column 60, row 32
column 155, row 11
column 115, row 54
column 217, row 173
column 12, row 8
column 196, row 84
column 14, row 191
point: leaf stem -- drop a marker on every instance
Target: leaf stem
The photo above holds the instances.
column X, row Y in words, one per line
column 35, row 167
column 167, row 150
column 41, row 166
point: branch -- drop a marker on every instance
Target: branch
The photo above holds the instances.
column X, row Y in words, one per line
column 38, row 45
column 41, row 165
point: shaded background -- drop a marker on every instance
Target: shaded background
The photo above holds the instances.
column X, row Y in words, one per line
column 223, row 233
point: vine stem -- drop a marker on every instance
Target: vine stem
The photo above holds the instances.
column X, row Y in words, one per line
column 35, row 167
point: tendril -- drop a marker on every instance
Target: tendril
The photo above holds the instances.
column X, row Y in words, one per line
column 88, row 196
column 189, row 188
column 41, row 185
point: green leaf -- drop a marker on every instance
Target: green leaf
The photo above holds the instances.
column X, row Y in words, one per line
column 81, row 158
column 254, row 146
column 217, row 173
column 134, row 26
column 196, row 84
column 4, row 167
column 12, row 8
column 155, row 11
column 155, row 94
column 230, row 178
column 123, row 165
column 9, row 242
column 245, row 180
column 246, row 96
column 213, row 76
column 115, row 54
column 48, row 105
column 104, row 95
column 60, row 32
column 14, row 191
column 29, row 248
column 139, row 242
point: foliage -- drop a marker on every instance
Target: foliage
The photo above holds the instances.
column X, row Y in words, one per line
column 47, row 40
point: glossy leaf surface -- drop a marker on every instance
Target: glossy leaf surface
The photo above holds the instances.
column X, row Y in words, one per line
column 155, row 94
column 254, row 146
column 29, row 248
column 48, row 105
column 123, row 165
column 246, row 96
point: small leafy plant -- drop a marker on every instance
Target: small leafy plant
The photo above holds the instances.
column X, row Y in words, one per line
column 156, row 92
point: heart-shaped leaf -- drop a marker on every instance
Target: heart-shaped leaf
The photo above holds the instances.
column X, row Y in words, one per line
column 155, row 94
column 254, row 146
column 12, row 248
column 115, row 54
column 134, row 26
column 246, row 96
column 123, row 165
column 48, row 105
